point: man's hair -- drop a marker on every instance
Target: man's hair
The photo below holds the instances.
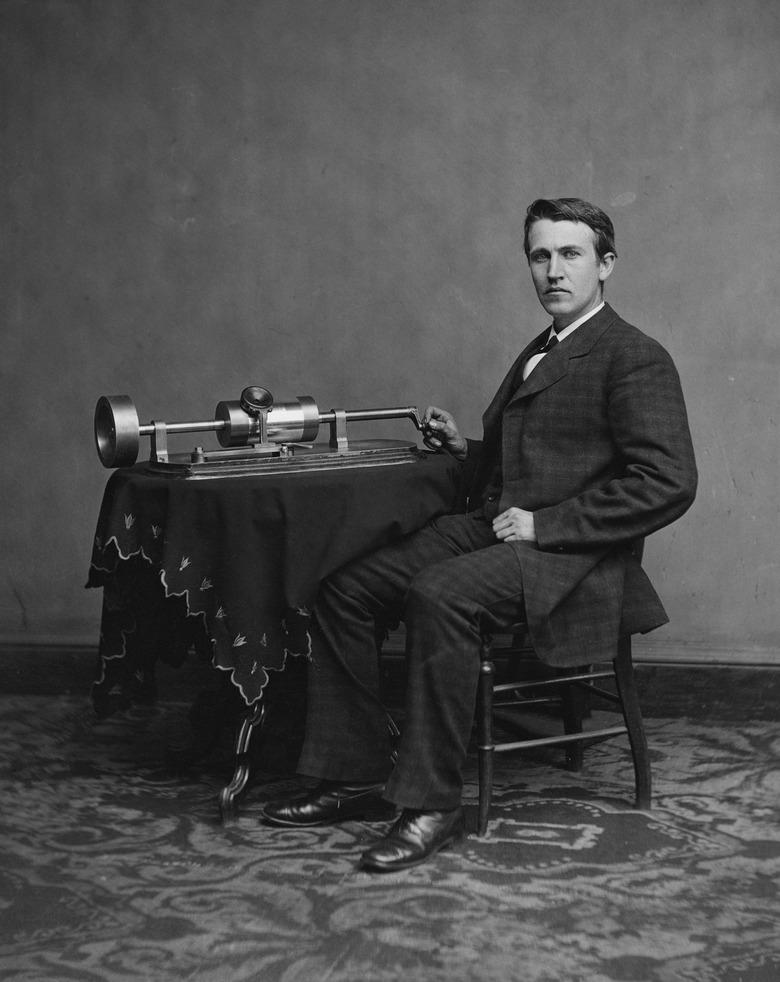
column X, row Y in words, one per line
column 572, row 210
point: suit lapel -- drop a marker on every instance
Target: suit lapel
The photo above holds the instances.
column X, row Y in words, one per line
column 556, row 364
column 501, row 399
column 551, row 368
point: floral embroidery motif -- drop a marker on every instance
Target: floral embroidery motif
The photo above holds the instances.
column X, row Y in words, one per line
column 264, row 641
column 129, row 521
column 239, row 640
column 185, row 562
column 205, row 583
column 220, row 612
column 156, row 529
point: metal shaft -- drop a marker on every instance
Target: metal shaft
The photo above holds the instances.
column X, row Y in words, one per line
column 207, row 424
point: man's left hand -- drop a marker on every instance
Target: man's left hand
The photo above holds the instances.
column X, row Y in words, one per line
column 515, row 525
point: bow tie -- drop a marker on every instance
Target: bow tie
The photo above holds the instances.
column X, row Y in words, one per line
column 550, row 343
column 536, row 356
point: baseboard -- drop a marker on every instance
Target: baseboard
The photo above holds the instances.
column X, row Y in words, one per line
column 685, row 654
column 645, row 651
column 705, row 686
column 682, row 654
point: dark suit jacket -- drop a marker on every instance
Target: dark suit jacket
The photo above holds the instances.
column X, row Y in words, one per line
column 596, row 444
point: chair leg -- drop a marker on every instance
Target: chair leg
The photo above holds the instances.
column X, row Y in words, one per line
column 574, row 706
column 485, row 745
column 627, row 690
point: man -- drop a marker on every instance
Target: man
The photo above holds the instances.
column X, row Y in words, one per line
column 586, row 450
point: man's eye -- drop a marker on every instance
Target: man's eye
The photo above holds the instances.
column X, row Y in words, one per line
column 570, row 254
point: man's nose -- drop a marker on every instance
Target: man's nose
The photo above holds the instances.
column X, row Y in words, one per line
column 554, row 268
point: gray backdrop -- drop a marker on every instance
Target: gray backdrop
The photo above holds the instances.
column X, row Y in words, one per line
column 326, row 198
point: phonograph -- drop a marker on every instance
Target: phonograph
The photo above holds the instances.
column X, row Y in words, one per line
column 256, row 435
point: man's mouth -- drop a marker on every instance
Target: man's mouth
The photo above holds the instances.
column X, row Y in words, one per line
column 554, row 290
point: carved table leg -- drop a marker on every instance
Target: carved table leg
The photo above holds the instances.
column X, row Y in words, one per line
column 228, row 808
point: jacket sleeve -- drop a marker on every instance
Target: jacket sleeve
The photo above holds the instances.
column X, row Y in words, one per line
column 654, row 480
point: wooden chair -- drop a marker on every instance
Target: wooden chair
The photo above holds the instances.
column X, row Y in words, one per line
column 577, row 688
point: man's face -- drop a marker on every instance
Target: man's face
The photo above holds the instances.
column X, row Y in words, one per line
column 567, row 272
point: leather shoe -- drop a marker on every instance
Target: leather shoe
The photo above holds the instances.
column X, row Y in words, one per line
column 328, row 802
column 414, row 837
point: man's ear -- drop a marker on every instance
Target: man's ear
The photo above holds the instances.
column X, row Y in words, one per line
column 607, row 263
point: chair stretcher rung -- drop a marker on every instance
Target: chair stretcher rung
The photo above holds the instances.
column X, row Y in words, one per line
column 538, row 683
column 525, row 702
column 567, row 738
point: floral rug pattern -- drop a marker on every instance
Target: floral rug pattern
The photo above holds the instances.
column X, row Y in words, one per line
column 115, row 869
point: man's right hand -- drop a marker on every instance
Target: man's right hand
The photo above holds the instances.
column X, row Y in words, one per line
column 440, row 432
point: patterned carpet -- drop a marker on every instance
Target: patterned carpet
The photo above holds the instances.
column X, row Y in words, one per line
column 115, row 869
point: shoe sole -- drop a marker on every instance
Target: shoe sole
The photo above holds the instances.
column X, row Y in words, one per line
column 336, row 820
column 376, row 813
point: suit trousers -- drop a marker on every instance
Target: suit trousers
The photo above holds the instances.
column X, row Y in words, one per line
column 448, row 583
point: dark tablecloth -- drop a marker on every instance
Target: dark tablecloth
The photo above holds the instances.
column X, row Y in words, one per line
column 235, row 563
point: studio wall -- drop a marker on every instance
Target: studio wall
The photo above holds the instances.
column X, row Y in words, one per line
column 326, row 198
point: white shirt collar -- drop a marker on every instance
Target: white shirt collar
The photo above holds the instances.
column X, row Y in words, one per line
column 573, row 327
